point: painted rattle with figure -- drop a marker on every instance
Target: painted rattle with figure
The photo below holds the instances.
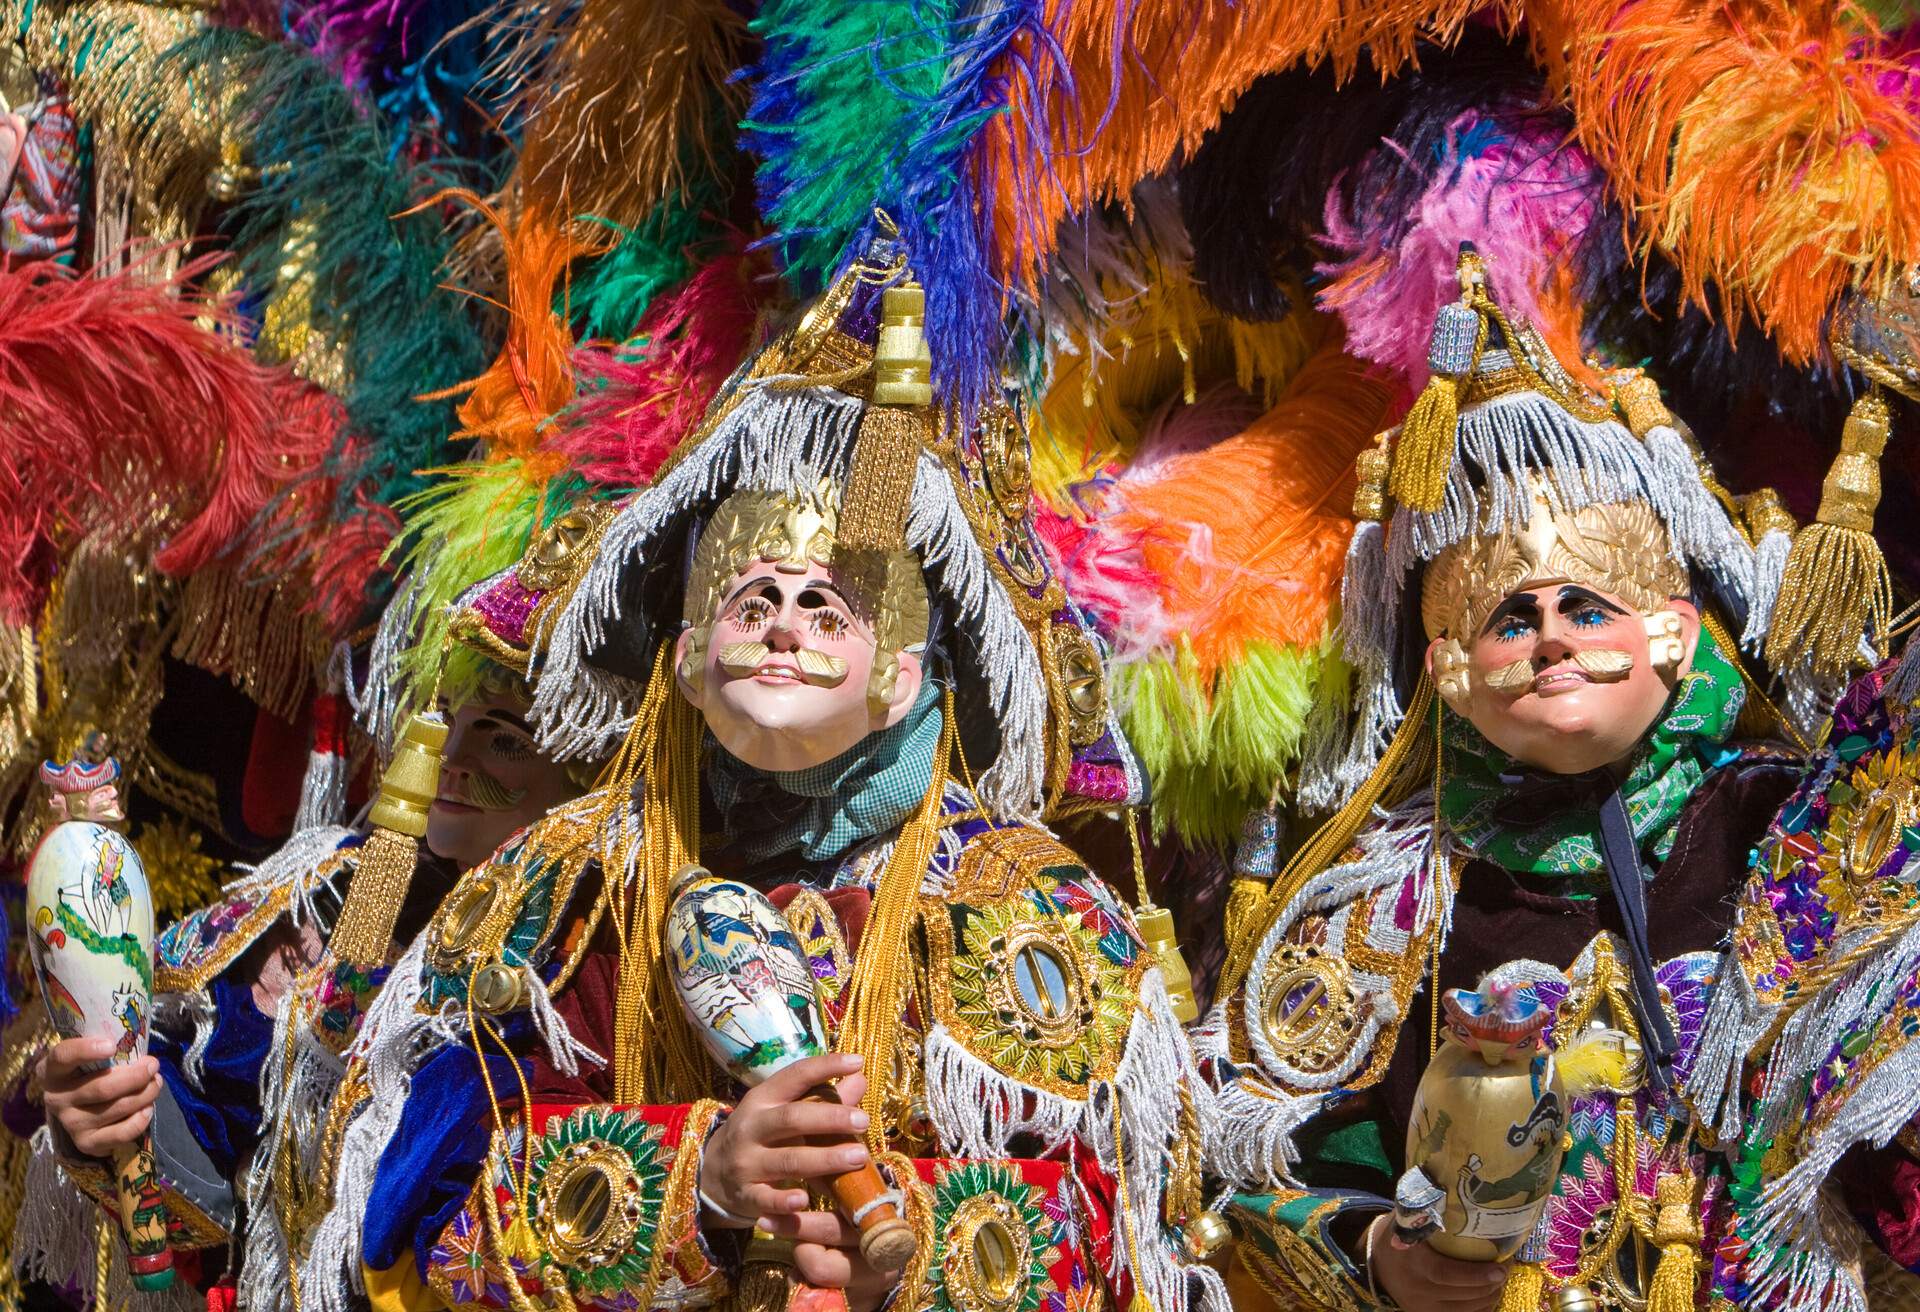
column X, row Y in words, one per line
column 91, row 939
column 749, row 993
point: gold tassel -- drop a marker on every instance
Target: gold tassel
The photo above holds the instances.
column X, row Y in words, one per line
column 1255, row 860
column 766, row 1275
column 1370, row 469
column 1526, row 1284
column 1244, row 900
column 1155, row 924
column 1424, row 455
column 1836, row 587
column 364, row 933
column 1641, row 406
column 879, row 491
column 1676, row 1233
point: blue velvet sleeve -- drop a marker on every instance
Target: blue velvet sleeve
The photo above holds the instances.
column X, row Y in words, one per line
column 224, row 1113
column 434, row 1157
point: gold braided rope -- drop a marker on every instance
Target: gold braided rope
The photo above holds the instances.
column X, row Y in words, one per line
column 874, row 1012
column 1389, row 782
column 655, row 1056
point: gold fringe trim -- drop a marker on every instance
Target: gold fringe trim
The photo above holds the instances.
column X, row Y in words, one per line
column 1423, row 457
column 655, row 1056
column 364, row 932
column 875, row 1006
column 873, row 510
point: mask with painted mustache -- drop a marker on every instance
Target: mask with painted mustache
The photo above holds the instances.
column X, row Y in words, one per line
column 1601, row 664
column 484, row 792
column 743, row 660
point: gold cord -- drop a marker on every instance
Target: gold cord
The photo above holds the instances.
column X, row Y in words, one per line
column 1333, row 839
column 1731, row 650
column 655, row 1058
column 1433, row 877
column 874, row 1011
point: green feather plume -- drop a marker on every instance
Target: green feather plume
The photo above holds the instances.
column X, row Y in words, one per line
column 1214, row 756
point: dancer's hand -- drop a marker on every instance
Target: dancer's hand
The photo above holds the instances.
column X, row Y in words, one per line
column 753, row 1161
column 1416, row 1277
column 102, row 1108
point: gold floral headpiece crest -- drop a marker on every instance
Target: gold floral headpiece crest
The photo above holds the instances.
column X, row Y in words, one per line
column 1619, row 548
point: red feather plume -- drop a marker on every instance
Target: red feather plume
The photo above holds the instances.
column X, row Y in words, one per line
column 127, row 402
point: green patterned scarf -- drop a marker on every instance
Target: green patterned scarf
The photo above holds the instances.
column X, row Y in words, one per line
column 1681, row 751
column 821, row 812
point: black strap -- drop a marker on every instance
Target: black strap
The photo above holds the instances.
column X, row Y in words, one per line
column 1627, row 876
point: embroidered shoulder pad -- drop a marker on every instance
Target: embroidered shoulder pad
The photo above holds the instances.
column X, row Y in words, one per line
column 501, row 918
column 1034, row 965
column 191, row 952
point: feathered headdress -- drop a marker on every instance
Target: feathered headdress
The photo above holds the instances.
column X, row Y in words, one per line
column 799, row 414
column 1499, row 419
column 1770, row 150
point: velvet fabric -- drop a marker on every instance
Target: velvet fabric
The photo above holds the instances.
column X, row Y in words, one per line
column 1882, row 1190
column 223, row 1115
column 434, row 1157
column 1500, row 915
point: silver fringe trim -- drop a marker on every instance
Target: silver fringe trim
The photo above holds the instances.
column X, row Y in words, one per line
column 977, row 1111
column 56, row 1233
column 1903, row 689
column 1395, row 849
column 176, row 1011
column 1341, row 752
column 1317, row 785
column 378, row 704
column 781, row 438
column 1769, row 567
column 1703, row 533
column 392, row 1039
column 1517, row 445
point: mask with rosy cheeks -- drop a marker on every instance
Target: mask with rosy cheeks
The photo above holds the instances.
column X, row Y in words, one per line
column 494, row 781
column 1561, row 642
column 796, row 650
column 784, row 675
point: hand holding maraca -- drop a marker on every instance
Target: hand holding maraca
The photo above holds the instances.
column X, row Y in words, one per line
column 749, row 992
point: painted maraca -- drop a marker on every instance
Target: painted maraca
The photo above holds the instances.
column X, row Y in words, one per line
column 747, row 988
column 1488, row 1128
column 91, row 939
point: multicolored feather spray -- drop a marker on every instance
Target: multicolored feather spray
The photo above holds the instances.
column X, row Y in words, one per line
column 1245, row 540
column 1771, row 150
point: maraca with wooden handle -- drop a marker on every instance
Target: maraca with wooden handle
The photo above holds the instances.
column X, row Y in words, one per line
column 749, row 993
column 90, row 933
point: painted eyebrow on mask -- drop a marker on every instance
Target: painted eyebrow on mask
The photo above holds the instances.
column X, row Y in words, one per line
column 507, row 718
column 1519, row 601
column 762, row 583
column 1573, row 595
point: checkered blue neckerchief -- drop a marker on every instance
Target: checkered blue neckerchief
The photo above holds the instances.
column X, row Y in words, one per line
column 822, row 811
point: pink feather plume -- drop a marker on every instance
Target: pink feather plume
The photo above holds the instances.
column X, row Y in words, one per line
column 1099, row 561
column 1523, row 198
column 633, row 408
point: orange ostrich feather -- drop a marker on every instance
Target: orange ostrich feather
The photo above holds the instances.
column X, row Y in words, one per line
column 1121, row 89
column 1767, row 148
column 1248, row 537
column 531, row 380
